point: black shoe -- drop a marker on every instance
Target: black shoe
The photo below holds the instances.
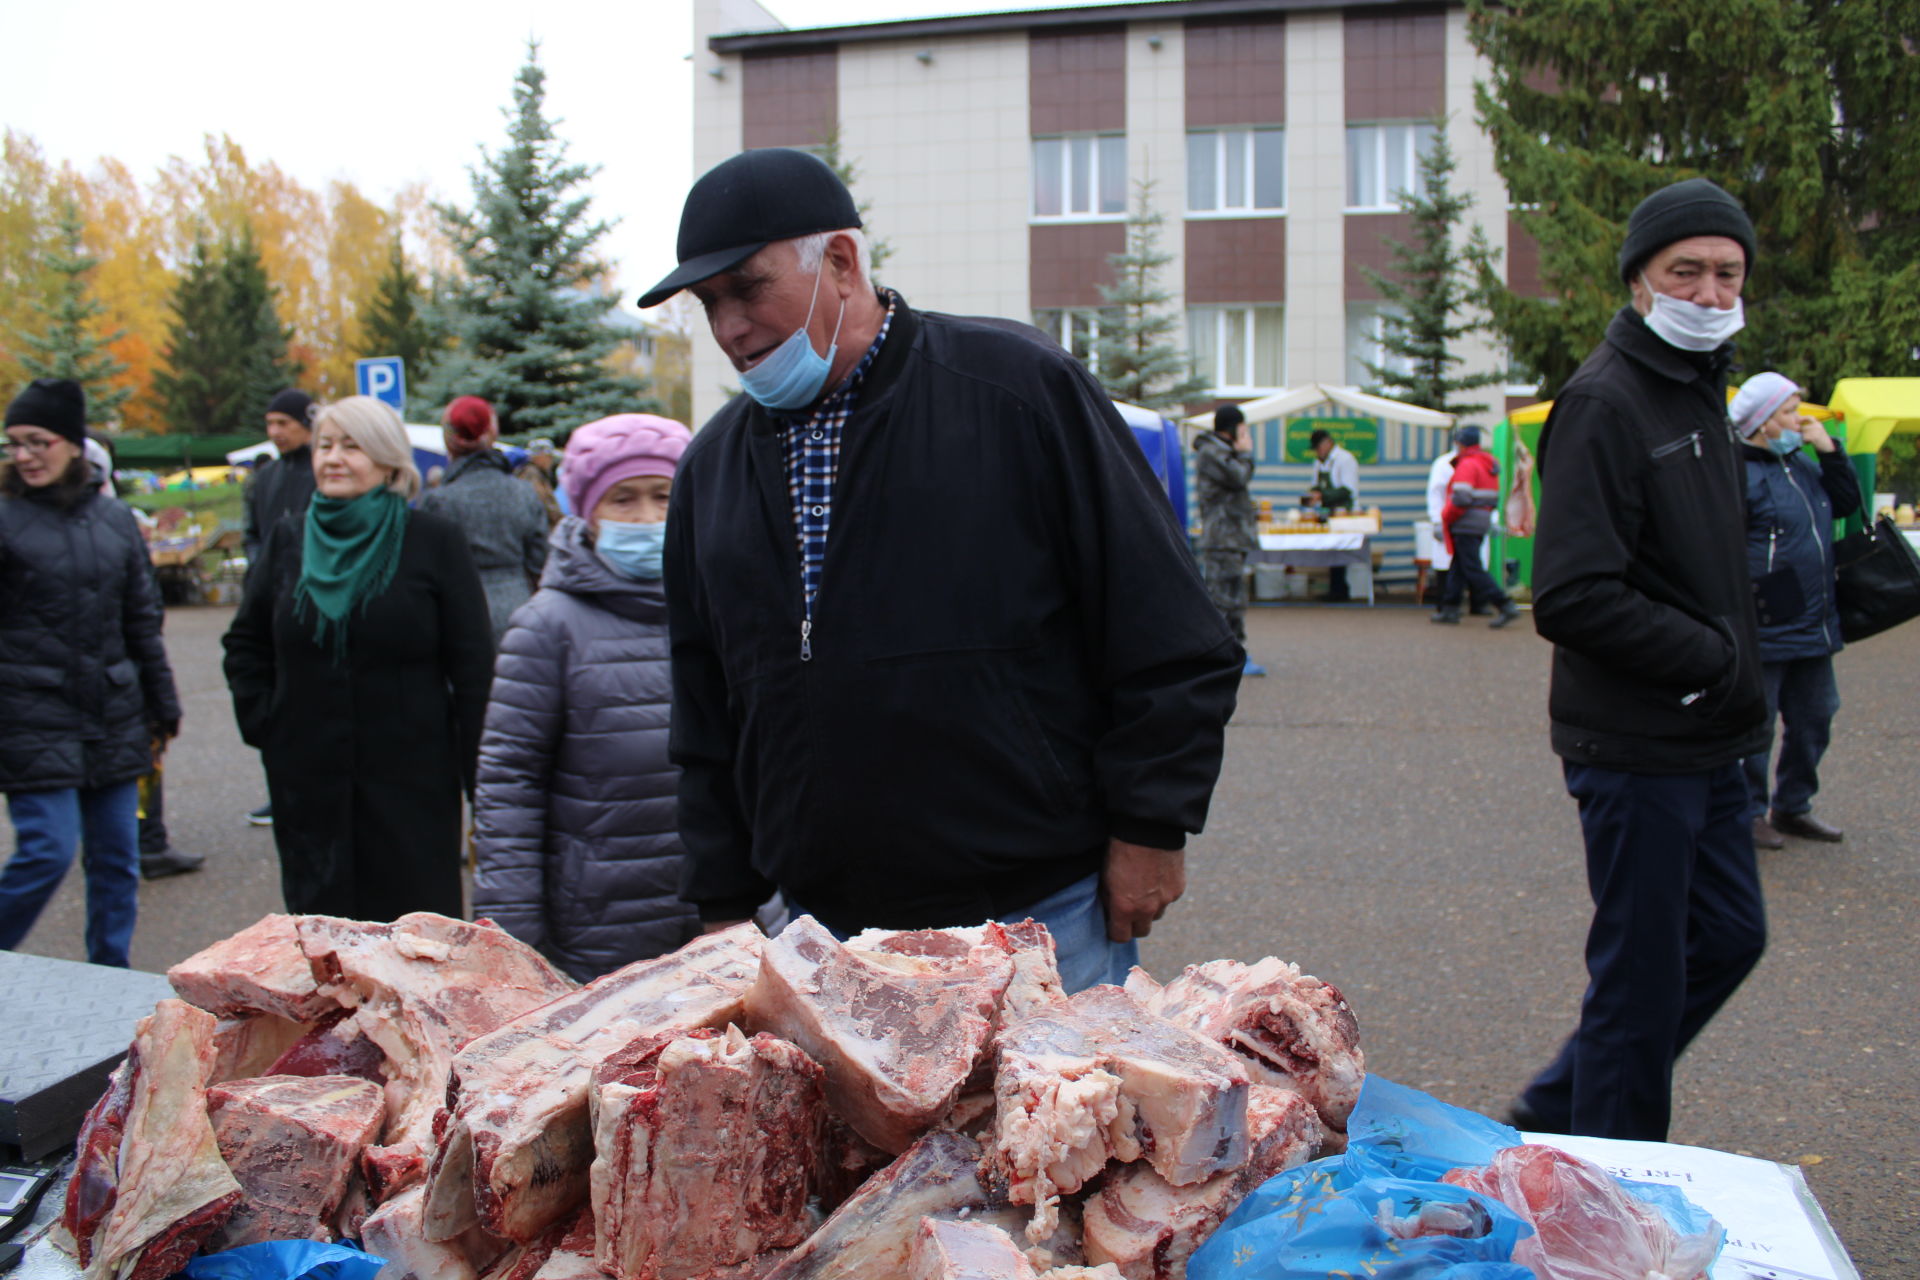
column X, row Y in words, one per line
column 1805, row 826
column 1522, row 1117
column 261, row 817
column 1449, row 616
column 1508, row 612
column 169, row 862
column 1480, row 610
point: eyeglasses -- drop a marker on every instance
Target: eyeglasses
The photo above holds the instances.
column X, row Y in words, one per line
column 19, row 447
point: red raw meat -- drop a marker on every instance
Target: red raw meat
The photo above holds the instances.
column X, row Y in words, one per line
column 336, row 1046
column 247, row 1045
column 294, row 1143
column 260, row 969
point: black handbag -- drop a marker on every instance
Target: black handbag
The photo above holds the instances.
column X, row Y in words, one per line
column 1878, row 580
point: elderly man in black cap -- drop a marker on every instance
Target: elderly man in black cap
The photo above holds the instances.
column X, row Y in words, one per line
column 940, row 654
column 1640, row 582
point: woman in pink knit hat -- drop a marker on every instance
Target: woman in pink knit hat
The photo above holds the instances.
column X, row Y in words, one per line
column 574, row 818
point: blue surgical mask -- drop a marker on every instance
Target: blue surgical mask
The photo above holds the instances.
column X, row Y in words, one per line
column 631, row 550
column 791, row 375
column 1787, row 443
column 1690, row 326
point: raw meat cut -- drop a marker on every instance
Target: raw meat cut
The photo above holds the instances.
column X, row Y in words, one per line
column 393, row 1231
column 247, row 1044
column 966, row 1251
column 705, row 1158
column 898, row 1035
column 260, row 969
column 1036, row 972
column 1148, row 1228
column 336, row 1046
column 420, row 988
column 150, row 1185
column 294, row 1144
column 1586, row 1225
column 565, row 1252
column 1102, row 1079
column 1105, row 1271
column 1294, row 1030
column 518, row 1141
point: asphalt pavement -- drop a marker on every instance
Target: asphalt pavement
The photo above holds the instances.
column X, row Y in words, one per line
column 1391, row 819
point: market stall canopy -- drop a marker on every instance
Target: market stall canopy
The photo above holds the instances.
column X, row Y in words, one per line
column 1287, row 404
column 1875, row 408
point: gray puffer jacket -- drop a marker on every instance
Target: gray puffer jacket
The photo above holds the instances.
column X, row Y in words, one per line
column 574, row 820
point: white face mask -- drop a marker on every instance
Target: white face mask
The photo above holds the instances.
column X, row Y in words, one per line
column 1690, row 326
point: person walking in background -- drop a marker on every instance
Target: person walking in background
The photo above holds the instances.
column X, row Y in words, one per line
column 505, row 525
column 1473, row 493
column 86, row 695
column 538, row 472
column 1229, row 528
column 577, row 848
column 1791, row 507
column 359, row 662
column 1439, row 489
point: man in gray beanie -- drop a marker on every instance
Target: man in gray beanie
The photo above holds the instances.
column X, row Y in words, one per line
column 1640, row 582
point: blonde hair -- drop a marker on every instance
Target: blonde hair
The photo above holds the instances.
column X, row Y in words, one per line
column 377, row 429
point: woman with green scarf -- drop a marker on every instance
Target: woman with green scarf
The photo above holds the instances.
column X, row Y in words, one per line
column 359, row 663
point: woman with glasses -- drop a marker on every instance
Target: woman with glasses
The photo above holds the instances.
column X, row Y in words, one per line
column 86, row 695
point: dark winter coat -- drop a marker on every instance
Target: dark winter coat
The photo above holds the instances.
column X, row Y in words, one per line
column 367, row 758
column 84, row 679
column 1220, row 477
column 505, row 524
column 574, row 818
column 1640, row 563
column 281, row 487
column 1011, row 657
column 1791, row 507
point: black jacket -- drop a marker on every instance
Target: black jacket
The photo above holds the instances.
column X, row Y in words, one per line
column 282, row 487
column 84, row 678
column 1791, row 508
column 366, row 758
column 1640, row 566
column 1012, row 655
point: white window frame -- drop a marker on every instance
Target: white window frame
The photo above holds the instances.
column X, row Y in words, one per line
column 1067, row 176
column 1388, row 136
column 1375, row 353
column 1244, row 138
column 1057, row 323
column 1219, row 379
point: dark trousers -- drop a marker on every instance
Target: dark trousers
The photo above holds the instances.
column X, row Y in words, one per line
column 1469, row 577
column 1225, row 573
column 1678, row 922
column 1803, row 694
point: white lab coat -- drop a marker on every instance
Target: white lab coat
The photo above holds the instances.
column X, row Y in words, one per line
column 1439, row 485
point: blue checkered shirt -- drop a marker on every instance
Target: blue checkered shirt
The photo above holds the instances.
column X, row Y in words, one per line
column 812, row 448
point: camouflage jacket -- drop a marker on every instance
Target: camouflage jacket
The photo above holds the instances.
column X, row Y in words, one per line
column 1220, row 476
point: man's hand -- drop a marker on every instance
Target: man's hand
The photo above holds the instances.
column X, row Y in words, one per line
column 719, row 926
column 1816, row 435
column 1138, row 886
column 1243, row 439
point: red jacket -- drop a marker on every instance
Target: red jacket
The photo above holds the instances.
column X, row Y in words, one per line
column 1475, row 468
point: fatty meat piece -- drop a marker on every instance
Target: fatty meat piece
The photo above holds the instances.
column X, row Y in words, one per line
column 565, row 1252
column 248, row 1044
column 1294, row 1030
column 420, row 988
column 1101, row 1080
column 705, row 1158
column 1027, row 944
column 898, row 1035
column 1586, row 1226
column 149, row 1184
column 966, row 1251
column 293, row 1142
column 260, row 969
column 518, row 1140
column 393, row 1231
column 1148, row 1228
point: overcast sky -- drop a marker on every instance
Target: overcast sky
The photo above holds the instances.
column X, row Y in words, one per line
column 383, row 94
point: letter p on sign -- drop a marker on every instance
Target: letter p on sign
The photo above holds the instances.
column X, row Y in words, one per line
column 385, row 379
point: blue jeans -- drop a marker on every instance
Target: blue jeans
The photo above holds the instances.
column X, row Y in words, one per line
column 1077, row 920
column 1803, row 694
column 48, row 826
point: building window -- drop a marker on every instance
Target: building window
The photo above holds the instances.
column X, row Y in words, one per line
column 1383, row 160
column 1077, row 329
column 1237, row 171
column 1364, row 324
column 1080, row 176
column 1238, row 349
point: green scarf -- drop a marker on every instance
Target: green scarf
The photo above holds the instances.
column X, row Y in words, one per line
column 351, row 550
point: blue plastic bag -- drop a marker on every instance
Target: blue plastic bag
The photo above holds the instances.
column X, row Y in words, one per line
column 286, row 1260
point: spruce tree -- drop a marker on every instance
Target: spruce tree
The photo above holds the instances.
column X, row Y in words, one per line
column 1138, row 359
column 394, row 322
column 526, row 319
column 226, row 352
column 1432, row 281
column 67, row 343
column 261, row 365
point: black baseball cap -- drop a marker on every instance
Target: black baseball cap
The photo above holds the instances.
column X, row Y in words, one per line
column 742, row 205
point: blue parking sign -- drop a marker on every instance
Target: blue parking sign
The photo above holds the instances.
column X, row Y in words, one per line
column 384, row 378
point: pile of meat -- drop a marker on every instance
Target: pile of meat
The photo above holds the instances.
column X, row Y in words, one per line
column 925, row 1104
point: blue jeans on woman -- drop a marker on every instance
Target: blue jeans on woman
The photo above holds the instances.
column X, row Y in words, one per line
column 48, row 827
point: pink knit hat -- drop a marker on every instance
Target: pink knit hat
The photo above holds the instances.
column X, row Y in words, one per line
column 602, row 454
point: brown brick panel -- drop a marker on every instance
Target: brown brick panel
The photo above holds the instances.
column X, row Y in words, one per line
column 1523, row 260
column 1068, row 262
column 1236, row 72
column 1077, row 80
column 789, row 99
column 1396, row 65
column 1369, row 239
column 1236, row 260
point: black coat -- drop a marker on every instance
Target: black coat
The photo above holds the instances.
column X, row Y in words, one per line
column 1012, row 657
column 282, row 487
column 84, row 678
column 367, row 758
column 1640, row 563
